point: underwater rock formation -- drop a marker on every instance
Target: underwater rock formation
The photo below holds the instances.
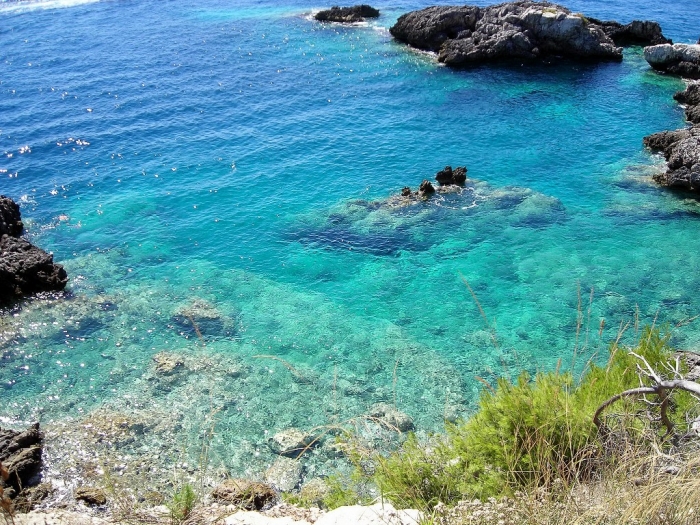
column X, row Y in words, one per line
column 347, row 15
column 464, row 35
column 677, row 59
column 24, row 268
column 681, row 148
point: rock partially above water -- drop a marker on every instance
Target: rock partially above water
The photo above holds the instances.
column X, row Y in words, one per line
column 24, row 268
column 464, row 35
column 638, row 32
column 677, row 59
column 347, row 15
column 681, row 148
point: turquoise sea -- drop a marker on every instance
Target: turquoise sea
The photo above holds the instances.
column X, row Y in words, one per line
column 228, row 163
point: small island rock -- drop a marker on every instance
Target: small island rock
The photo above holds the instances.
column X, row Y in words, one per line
column 677, row 59
column 10, row 219
column 347, row 15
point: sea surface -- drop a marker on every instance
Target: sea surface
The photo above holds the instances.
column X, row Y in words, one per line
column 216, row 177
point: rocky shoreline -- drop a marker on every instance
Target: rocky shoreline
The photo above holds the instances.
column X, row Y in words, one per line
column 522, row 30
column 24, row 268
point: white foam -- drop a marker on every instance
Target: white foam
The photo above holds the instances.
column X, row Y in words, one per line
column 18, row 6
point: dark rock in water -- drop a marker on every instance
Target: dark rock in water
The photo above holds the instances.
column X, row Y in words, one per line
column 383, row 243
column 347, row 15
column 20, row 454
column 426, row 188
column 406, row 191
column 690, row 95
column 10, row 219
column 26, row 269
column 637, row 32
column 465, row 35
column 677, row 59
column 681, row 149
column 450, row 176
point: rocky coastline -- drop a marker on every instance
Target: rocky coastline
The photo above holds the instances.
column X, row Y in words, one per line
column 347, row 15
column 25, row 269
column 520, row 30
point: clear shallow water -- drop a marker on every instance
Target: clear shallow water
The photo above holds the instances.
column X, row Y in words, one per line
column 236, row 155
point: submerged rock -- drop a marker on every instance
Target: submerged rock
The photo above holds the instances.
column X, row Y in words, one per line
column 393, row 418
column 201, row 320
column 167, row 364
column 677, row 59
column 284, row 473
column 346, row 15
column 291, row 442
column 464, row 35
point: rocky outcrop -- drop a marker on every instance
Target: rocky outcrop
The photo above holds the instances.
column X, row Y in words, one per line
column 20, row 454
column 24, row 268
column 681, row 148
column 245, row 494
column 347, row 15
column 677, row 59
column 450, row 176
column 464, row 35
column 637, row 32
column 291, row 443
column 10, row 219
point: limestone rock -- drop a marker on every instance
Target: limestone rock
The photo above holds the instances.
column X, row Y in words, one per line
column 392, row 417
column 291, row 443
column 91, row 496
column 284, row 474
column 681, row 149
column 678, row 59
column 637, row 32
column 347, row 15
column 245, row 517
column 248, row 495
column 465, row 35
column 378, row 514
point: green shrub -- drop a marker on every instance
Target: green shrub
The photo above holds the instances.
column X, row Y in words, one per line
column 182, row 503
column 526, row 433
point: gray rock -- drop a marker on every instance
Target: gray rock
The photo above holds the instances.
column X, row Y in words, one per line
column 21, row 455
column 392, row 417
column 291, row 443
column 464, row 35
column 347, row 15
column 637, row 32
column 167, row 364
column 246, row 494
column 681, row 149
column 284, row 474
column 678, row 59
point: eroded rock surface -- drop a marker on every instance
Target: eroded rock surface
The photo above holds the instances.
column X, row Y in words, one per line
column 464, row 35
column 246, row 494
column 677, row 59
column 20, row 454
column 347, row 15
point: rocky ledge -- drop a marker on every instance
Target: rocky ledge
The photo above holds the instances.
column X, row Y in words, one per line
column 677, row 59
column 681, row 147
column 20, row 457
column 465, row 35
column 347, row 15
column 24, row 268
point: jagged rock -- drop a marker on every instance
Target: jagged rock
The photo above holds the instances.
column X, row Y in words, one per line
column 637, row 32
column 284, row 473
column 10, row 218
column 464, row 35
column 426, row 188
column 347, row 15
column 392, row 417
column 26, row 269
column 167, row 364
column 678, row 59
column 681, row 149
column 20, row 454
column 291, row 442
column 246, row 494
column 406, row 191
column 91, row 496
column 450, row 176
column 30, row 497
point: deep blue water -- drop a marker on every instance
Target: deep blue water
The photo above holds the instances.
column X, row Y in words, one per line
column 234, row 154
